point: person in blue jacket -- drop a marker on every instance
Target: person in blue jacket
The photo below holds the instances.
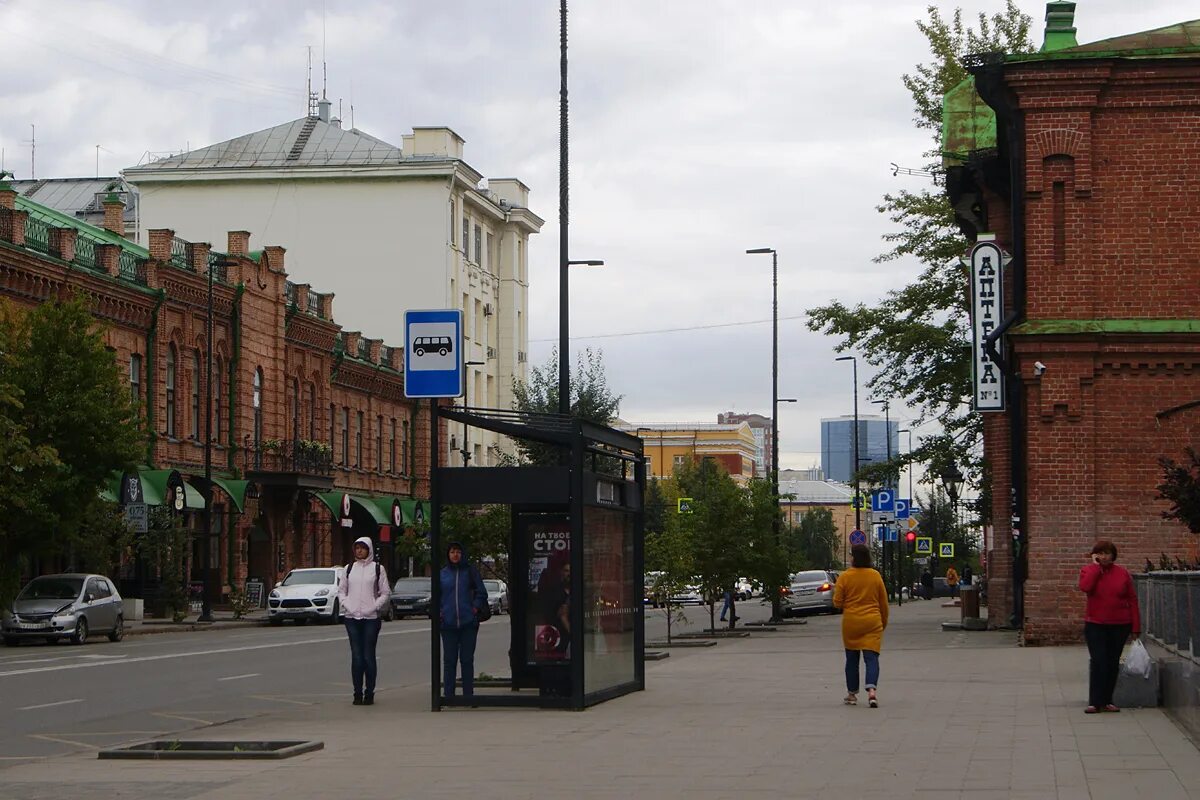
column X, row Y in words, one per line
column 463, row 596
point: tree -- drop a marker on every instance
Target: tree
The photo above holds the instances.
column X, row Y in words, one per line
column 591, row 398
column 483, row 531
column 918, row 336
column 818, row 538
column 772, row 559
column 1181, row 486
column 67, row 424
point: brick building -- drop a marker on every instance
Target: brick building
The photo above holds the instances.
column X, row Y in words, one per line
column 1084, row 163
column 308, row 418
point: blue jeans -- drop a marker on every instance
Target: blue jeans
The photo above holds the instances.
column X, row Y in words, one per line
column 725, row 608
column 458, row 646
column 364, row 635
column 872, row 660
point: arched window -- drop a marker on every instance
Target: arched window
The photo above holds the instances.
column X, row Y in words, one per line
column 379, row 443
column 296, row 413
column 312, row 412
column 404, row 449
column 196, row 395
column 171, row 355
column 258, row 405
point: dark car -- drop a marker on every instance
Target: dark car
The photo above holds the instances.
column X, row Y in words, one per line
column 940, row 589
column 71, row 606
column 412, row 596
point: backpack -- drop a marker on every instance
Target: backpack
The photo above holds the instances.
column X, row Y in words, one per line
column 385, row 614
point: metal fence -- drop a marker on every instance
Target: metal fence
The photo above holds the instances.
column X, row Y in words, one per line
column 85, row 252
column 131, row 268
column 37, row 234
column 179, row 254
column 1170, row 605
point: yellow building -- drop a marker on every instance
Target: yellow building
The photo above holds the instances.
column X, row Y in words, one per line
column 668, row 444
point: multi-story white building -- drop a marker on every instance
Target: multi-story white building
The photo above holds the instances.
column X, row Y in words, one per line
column 336, row 198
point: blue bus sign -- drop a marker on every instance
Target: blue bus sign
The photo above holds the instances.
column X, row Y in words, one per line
column 433, row 357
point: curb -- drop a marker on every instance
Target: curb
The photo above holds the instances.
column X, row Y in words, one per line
column 192, row 627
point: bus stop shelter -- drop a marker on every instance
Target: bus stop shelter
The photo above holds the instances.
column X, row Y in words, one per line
column 575, row 558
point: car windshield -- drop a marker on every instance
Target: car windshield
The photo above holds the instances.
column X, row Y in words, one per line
column 302, row 577
column 52, row 589
column 812, row 576
column 492, row 586
column 413, row 585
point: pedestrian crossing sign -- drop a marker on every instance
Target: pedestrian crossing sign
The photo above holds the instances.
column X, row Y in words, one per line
column 924, row 546
column 946, row 550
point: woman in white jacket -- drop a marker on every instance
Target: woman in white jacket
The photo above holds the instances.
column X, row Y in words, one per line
column 362, row 595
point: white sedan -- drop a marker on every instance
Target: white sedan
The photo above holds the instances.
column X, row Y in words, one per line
column 306, row 594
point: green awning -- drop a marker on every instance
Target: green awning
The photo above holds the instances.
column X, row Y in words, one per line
column 416, row 512
column 235, row 489
column 333, row 501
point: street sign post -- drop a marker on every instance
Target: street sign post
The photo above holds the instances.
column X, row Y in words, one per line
column 901, row 507
column 946, row 550
column 858, row 537
column 683, row 505
column 433, row 357
column 924, row 546
column 883, row 500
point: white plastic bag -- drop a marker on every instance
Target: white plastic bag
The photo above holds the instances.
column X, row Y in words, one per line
column 1137, row 663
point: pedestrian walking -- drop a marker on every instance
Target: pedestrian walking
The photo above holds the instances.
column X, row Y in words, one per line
column 967, row 576
column 860, row 594
column 952, row 580
column 927, row 584
column 362, row 595
column 463, row 598
column 1110, row 617
column 725, row 609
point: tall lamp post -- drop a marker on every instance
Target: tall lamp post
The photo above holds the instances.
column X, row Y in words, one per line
column 776, row 607
column 903, row 540
column 952, row 479
column 857, row 496
column 887, row 437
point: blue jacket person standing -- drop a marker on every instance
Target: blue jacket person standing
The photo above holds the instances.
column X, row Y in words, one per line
column 463, row 596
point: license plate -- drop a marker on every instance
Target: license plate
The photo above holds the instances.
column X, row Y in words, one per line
column 33, row 626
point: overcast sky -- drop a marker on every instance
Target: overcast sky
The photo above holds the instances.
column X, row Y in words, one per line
column 699, row 129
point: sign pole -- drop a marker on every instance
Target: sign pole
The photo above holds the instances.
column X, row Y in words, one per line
column 435, row 535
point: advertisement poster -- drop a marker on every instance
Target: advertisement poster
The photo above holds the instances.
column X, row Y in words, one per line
column 548, row 590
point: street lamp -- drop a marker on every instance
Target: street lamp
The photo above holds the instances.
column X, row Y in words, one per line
column 903, row 543
column 952, row 479
column 887, row 436
column 857, row 494
column 775, row 604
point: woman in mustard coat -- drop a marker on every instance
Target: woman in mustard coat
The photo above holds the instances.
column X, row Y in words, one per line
column 860, row 594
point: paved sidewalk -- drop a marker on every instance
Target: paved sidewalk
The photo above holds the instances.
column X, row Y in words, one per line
column 963, row 714
column 221, row 620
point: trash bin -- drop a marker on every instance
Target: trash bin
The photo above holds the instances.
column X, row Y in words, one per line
column 968, row 597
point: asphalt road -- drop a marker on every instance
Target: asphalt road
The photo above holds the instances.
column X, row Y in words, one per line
column 58, row 699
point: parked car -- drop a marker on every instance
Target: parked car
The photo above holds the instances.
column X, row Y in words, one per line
column 688, row 595
column 940, row 589
column 810, row 591
column 651, row 594
column 69, row 606
column 306, row 594
column 411, row 596
column 497, row 595
column 745, row 589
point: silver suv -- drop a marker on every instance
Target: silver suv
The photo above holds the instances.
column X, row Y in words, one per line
column 69, row 606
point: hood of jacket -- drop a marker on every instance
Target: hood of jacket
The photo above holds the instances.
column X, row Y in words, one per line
column 370, row 547
column 462, row 562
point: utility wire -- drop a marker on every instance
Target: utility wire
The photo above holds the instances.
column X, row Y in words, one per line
column 674, row 330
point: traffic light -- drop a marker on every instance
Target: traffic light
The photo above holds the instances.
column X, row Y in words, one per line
column 910, row 537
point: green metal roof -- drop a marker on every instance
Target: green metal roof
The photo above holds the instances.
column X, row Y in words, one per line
column 968, row 123
column 1044, row 327
column 1181, row 40
column 62, row 220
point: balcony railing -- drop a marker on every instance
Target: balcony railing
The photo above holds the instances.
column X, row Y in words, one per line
column 85, row 252
column 131, row 268
column 1170, row 605
column 179, row 254
column 219, row 271
column 37, row 234
column 314, row 304
column 300, row 456
column 364, row 349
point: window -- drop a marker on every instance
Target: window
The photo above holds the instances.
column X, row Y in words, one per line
column 379, row 443
column 520, row 270
column 466, row 244
column 258, row 405
column 404, row 449
column 345, row 436
column 135, row 376
column 171, row 392
column 332, row 421
column 392, row 447
column 452, row 221
column 196, row 395
column 358, row 441
column 312, row 412
column 478, row 244
column 217, row 371
column 679, row 460
column 295, row 408
column 491, row 253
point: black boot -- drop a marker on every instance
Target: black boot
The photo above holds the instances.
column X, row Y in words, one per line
column 369, row 699
column 358, row 699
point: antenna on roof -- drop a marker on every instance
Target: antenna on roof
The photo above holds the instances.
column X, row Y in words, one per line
column 324, row 64
column 32, row 152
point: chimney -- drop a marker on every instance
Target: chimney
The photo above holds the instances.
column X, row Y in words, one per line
column 114, row 211
column 8, row 195
column 1060, row 26
column 238, row 243
column 160, row 243
column 323, row 109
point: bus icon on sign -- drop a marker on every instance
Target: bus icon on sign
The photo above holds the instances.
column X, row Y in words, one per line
column 442, row 345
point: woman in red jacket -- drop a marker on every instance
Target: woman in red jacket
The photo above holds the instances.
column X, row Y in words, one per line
column 1111, row 617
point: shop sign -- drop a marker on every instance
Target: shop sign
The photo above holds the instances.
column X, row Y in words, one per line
column 987, row 310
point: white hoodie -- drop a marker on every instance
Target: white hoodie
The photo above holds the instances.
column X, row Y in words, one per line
column 359, row 594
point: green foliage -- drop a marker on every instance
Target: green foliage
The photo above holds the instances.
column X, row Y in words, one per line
column 771, row 561
column 917, row 337
column 484, row 532
column 102, row 538
column 654, row 508
column 1181, row 487
column 164, row 546
column 67, row 423
column 591, row 399
column 717, row 525
column 816, row 538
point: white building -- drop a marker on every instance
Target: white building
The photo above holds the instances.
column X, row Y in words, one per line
column 332, row 195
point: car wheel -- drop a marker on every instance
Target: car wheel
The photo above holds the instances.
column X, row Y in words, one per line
column 118, row 633
column 81, row 631
column 336, row 616
column 10, row 641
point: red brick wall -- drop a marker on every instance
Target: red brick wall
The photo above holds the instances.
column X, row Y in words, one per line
column 1112, row 191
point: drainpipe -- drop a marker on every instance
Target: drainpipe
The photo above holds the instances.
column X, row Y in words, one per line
column 151, row 342
column 989, row 82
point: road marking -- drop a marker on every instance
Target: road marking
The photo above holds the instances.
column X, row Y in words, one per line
column 192, row 654
column 239, row 677
column 47, row 737
column 20, row 758
column 52, row 705
column 280, row 699
column 182, row 717
column 122, row 655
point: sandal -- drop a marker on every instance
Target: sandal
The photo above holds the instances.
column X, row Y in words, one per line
column 1091, row 710
column 850, row 699
column 872, row 701
column 1111, row 708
